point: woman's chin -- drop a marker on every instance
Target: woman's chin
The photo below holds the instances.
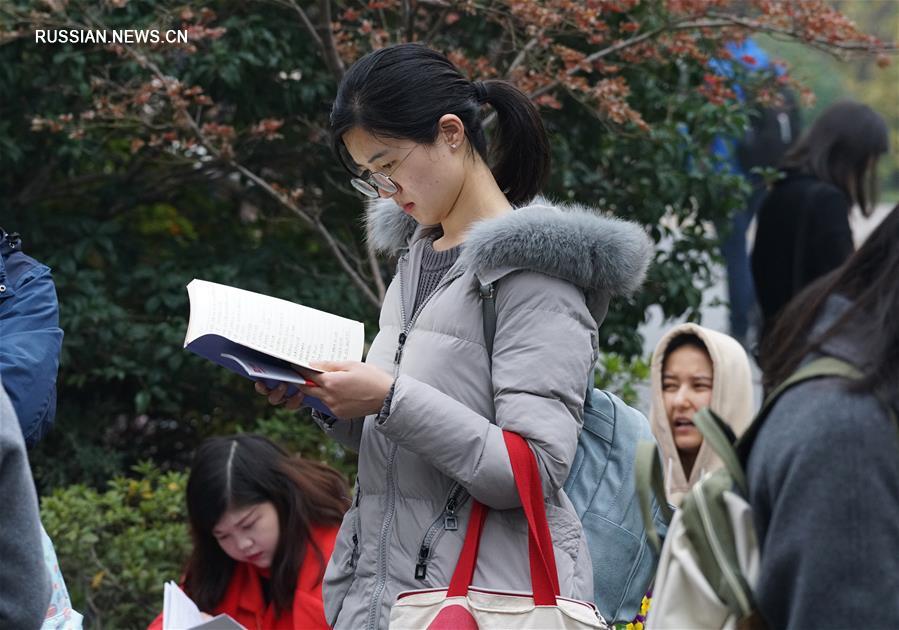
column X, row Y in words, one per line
column 688, row 444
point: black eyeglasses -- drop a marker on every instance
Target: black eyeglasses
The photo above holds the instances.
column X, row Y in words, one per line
column 369, row 184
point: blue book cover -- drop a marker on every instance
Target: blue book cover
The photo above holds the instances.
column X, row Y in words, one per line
column 265, row 338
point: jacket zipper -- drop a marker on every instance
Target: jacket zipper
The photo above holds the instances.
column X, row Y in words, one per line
column 354, row 557
column 401, row 341
column 381, row 581
column 446, row 521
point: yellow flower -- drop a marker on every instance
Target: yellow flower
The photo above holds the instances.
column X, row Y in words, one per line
column 97, row 579
column 644, row 606
column 629, row 626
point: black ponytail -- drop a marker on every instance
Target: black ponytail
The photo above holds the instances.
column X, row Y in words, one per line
column 519, row 155
column 402, row 91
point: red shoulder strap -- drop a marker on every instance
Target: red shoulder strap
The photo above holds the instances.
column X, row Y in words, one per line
column 544, row 575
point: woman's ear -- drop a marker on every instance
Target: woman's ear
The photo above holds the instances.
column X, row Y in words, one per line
column 451, row 130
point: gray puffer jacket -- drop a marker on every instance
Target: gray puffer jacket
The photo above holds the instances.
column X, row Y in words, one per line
column 440, row 442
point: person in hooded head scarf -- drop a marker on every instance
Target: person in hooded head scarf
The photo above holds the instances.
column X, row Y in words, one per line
column 694, row 367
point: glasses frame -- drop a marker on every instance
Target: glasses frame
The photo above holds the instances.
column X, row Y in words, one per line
column 371, row 184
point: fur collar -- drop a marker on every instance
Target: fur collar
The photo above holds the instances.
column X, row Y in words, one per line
column 594, row 251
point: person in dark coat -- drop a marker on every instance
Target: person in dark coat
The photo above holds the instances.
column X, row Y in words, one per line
column 823, row 472
column 24, row 580
column 803, row 227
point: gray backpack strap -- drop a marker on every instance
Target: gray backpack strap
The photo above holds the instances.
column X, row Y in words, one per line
column 819, row 368
column 488, row 305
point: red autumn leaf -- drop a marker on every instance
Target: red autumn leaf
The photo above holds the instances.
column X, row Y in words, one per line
column 548, row 100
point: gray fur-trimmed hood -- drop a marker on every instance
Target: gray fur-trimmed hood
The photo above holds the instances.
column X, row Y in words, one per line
column 596, row 252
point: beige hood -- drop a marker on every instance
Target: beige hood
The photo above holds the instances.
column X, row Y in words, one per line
column 732, row 399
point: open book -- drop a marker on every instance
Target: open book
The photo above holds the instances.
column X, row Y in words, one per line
column 267, row 339
column 179, row 612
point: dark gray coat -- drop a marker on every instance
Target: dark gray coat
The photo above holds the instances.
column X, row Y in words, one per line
column 440, row 442
column 24, row 580
column 824, row 488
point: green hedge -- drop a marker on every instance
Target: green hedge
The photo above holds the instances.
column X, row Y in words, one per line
column 117, row 548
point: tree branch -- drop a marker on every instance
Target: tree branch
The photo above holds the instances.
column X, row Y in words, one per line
column 307, row 23
column 435, row 28
column 718, row 21
column 375, row 270
column 408, row 20
column 332, row 57
column 520, row 57
column 325, row 44
column 315, row 223
column 821, row 44
column 309, row 219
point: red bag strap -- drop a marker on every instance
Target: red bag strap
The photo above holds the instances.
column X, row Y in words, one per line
column 468, row 557
column 544, row 575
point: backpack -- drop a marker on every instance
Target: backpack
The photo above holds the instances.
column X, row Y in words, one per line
column 772, row 130
column 602, row 488
column 709, row 564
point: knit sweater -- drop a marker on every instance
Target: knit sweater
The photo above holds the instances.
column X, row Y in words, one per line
column 434, row 265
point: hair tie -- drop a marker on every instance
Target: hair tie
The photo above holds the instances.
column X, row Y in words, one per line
column 480, row 91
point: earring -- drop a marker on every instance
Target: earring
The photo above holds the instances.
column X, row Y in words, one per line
column 452, row 146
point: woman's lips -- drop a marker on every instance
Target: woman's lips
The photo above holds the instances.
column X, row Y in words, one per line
column 256, row 557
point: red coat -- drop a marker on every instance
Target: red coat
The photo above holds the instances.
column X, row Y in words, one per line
column 244, row 602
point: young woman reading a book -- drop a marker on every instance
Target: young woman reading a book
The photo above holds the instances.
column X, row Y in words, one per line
column 263, row 525
column 427, row 409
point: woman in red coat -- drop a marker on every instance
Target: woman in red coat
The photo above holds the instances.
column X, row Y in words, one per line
column 263, row 526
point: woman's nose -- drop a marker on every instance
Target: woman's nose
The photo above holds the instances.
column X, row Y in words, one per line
column 244, row 542
column 681, row 398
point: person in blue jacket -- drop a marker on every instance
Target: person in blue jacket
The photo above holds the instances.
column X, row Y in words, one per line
column 30, row 343
column 30, row 337
column 772, row 130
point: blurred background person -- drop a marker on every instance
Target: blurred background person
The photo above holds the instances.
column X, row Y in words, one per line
column 803, row 226
column 823, row 472
column 773, row 127
column 32, row 338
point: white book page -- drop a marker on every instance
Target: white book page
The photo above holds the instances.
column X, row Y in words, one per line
column 178, row 610
column 276, row 327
